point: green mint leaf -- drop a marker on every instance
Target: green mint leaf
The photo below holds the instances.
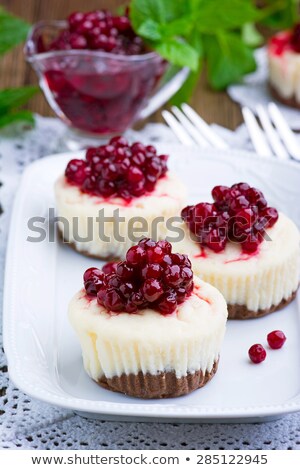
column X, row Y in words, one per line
column 181, row 27
column 13, row 30
column 228, row 59
column 12, row 98
column 16, row 116
column 150, row 30
column 187, row 89
column 251, row 36
column 213, row 15
column 160, row 11
column 178, row 53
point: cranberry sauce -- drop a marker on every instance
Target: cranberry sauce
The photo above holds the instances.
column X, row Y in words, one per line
column 150, row 277
column 239, row 214
column 99, row 93
column 118, row 169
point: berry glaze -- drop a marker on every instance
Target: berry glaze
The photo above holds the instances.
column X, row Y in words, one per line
column 118, row 169
column 99, row 72
column 285, row 41
column 239, row 214
column 150, row 277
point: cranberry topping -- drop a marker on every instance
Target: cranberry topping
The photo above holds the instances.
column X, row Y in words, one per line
column 276, row 339
column 118, row 169
column 239, row 214
column 99, row 30
column 150, row 277
column 257, row 353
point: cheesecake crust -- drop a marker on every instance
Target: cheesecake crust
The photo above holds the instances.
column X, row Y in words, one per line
column 162, row 385
column 292, row 102
column 240, row 312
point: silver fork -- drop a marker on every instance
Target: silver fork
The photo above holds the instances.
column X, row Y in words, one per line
column 191, row 129
column 274, row 138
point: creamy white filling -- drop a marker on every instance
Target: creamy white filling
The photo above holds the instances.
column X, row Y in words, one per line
column 284, row 73
column 186, row 341
column 148, row 215
column 258, row 281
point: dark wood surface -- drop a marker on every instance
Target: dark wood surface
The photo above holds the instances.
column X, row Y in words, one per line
column 213, row 107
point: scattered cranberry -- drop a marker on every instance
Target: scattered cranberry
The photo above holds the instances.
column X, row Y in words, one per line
column 239, row 213
column 140, row 282
column 276, row 339
column 257, row 353
column 114, row 170
column 99, row 30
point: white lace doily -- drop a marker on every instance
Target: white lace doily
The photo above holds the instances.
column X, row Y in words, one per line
column 29, row 424
column 254, row 90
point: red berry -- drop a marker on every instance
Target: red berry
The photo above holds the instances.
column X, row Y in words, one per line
column 257, row 353
column 152, row 290
column 152, row 271
column 136, row 255
column 76, row 171
column 276, row 339
column 110, row 268
column 113, row 301
column 167, row 304
column 93, row 279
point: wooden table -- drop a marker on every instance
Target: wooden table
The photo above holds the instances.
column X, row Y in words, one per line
column 213, row 107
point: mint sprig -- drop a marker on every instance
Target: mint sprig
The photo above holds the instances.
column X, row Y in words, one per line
column 13, row 30
column 221, row 34
column 10, row 100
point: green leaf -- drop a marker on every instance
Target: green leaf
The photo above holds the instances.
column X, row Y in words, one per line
column 12, row 98
column 179, row 27
column 251, row 36
column 160, row 11
column 13, row 30
column 16, row 116
column 179, row 53
column 184, row 94
column 150, row 30
column 228, row 59
column 213, row 15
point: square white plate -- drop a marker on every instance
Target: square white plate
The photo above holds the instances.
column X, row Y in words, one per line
column 43, row 353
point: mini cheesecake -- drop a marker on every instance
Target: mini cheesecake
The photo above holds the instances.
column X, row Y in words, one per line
column 147, row 327
column 247, row 250
column 115, row 196
column 284, row 66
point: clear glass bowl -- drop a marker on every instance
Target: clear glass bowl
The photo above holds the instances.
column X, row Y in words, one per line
column 95, row 92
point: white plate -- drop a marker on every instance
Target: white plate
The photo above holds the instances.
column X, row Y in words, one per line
column 43, row 353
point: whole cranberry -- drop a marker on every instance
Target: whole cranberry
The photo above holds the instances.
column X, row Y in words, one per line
column 136, row 255
column 110, row 268
column 152, row 290
column 276, row 339
column 257, row 353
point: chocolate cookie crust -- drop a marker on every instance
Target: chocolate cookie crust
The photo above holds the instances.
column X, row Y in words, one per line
column 287, row 101
column 163, row 385
column 240, row 312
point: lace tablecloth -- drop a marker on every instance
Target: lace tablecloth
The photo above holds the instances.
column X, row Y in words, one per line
column 29, row 424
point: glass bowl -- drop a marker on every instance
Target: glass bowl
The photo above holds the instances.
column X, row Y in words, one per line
column 97, row 93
